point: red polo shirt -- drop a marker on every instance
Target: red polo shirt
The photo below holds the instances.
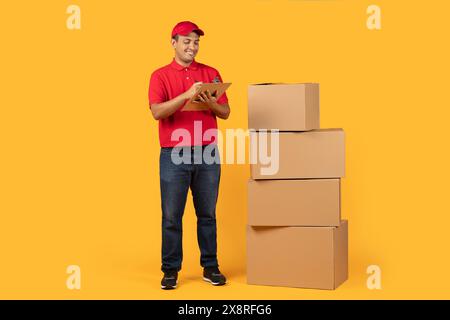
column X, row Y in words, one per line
column 169, row 82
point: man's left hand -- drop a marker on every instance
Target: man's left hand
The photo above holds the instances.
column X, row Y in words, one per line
column 207, row 98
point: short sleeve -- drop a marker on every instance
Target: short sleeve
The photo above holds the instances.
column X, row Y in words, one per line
column 156, row 90
column 223, row 98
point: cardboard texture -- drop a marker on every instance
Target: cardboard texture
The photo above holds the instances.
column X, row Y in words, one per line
column 287, row 107
column 305, row 257
column 295, row 235
column 311, row 202
column 302, row 155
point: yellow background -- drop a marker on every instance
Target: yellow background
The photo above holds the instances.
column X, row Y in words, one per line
column 79, row 148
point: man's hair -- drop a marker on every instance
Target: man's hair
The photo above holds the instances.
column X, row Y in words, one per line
column 175, row 37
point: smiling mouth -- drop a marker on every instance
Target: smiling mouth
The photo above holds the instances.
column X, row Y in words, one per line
column 191, row 54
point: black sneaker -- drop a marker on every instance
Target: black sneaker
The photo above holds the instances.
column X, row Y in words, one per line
column 170, row 280
column 214, row 276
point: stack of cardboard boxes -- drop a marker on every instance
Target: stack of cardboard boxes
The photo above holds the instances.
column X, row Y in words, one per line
column 295, row 235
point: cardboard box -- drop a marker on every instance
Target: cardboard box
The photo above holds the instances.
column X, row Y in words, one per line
column 305, row 257
column 299, row 155
column 310, row 202
column 287, row 107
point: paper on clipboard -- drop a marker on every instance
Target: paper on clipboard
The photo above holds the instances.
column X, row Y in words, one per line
column 217, row 89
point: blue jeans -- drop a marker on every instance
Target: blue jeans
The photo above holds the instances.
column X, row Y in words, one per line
column 175, row 181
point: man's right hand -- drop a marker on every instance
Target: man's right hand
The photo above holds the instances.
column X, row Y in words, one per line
column 165, row 109
column 192, row 90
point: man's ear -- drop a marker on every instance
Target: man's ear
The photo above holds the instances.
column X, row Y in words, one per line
column 173, row 43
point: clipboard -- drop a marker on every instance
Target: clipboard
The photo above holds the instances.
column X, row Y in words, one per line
column 194, row 104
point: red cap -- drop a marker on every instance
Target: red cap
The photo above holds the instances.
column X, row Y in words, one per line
column 185, row 27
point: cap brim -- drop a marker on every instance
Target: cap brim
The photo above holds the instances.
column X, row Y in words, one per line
column 199, row 32
column 186, row 33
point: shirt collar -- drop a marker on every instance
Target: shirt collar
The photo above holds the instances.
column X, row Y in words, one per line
column 177, row 66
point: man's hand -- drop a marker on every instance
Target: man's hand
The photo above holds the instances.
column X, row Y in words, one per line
column 192, row 90
column 166, row 109
column 207, row 98
column 220, row 110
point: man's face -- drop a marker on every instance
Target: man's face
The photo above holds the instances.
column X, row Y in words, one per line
column 186, row 47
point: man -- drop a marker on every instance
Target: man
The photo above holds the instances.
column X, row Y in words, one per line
column 170, row 87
